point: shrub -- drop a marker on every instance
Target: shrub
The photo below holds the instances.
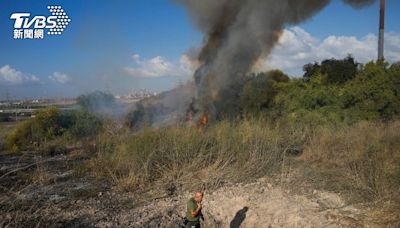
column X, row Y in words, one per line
column 34, row 131
column 49, row 124
column 19, row 137
column 374, row 94
column 97, row 101
column 79, row 123
column 335, row 71
column 260, row 90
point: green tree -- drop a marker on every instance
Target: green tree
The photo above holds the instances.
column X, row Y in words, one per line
column 96, row 101
column 259, row 91
column 374, row 93
column 335, row 71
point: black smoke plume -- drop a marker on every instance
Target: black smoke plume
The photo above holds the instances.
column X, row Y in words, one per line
column 237, row 34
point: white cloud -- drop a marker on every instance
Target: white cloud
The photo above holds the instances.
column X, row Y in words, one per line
column 297, row 48
column 60, row 78
column 11, row 76
column 159, row 67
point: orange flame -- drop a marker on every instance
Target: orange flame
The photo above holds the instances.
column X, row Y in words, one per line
column 203, row 120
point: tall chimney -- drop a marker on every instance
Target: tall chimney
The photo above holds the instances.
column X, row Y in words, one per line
column 381, row 31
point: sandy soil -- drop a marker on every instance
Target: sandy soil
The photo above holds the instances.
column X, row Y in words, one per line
column 258, row 204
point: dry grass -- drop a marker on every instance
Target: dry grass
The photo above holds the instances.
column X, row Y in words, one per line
column 186, row 157
column 5, row 128
column 362, row 160
column 364, row 157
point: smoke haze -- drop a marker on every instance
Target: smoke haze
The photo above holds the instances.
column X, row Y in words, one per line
column 238, row 33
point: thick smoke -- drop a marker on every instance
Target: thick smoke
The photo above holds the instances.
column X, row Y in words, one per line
column 237, row 34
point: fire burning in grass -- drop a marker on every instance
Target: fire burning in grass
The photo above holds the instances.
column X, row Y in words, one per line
column 238, row 34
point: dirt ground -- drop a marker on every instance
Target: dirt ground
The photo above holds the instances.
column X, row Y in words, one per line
column 40, row 191
column 259, row 204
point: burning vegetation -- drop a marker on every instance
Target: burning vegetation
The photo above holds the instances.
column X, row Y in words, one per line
column 238, row 34
column 335, row 129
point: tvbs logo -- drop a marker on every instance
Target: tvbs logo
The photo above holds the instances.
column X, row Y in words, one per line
column 28, row 27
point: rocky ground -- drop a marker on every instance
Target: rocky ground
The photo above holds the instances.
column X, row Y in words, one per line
column 259, row 204
column 47, row 192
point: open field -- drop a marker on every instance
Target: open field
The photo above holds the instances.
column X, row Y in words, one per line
column 305, row 177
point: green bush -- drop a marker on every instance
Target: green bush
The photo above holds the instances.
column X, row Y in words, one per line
column 372, row 94
column 97, row 101
column 49, row 124
column 375, row 92
column 334, row 71
column 79, row 123
column 19, row 136
column 260, row 90
column 34, row 131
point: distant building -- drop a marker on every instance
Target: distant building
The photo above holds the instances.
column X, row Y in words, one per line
column 137, row 95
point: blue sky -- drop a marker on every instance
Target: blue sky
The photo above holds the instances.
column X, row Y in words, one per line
column 108, row 43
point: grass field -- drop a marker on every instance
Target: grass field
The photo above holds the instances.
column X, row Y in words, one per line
column 5, row 128
column 360, row 161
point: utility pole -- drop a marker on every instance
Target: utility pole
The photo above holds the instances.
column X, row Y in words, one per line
column 381, row 31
